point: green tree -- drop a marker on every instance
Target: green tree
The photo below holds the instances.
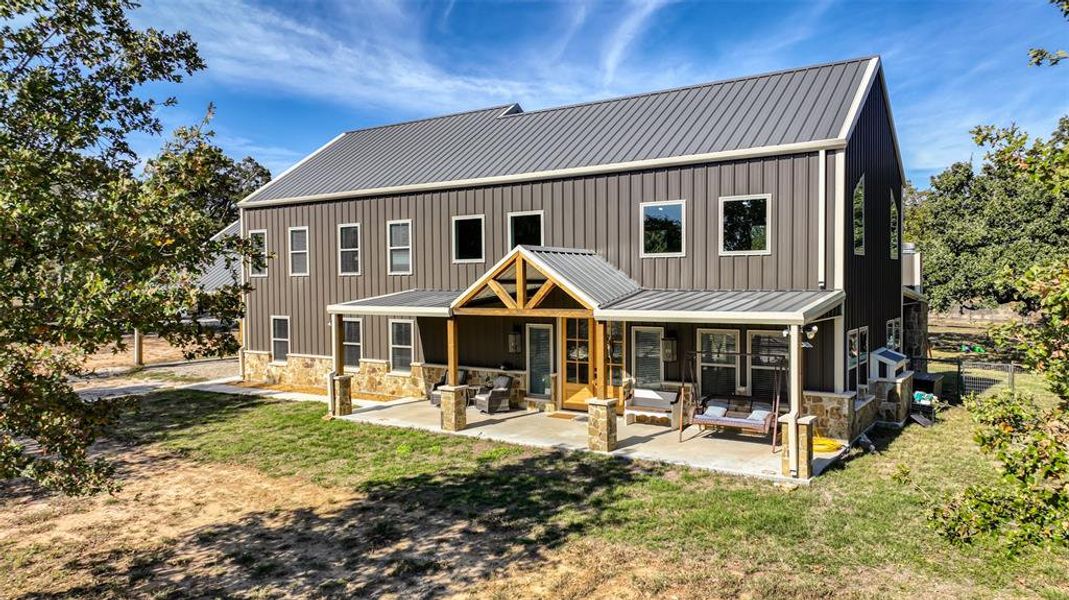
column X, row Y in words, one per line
column 979, row 229
column 1040, row 56
column 1030, row 504
column 88, row 251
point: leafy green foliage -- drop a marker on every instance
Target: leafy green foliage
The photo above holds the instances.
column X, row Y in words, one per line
column 88, row 251
column 1031, row 503
column 1040, row 56
column 978, row 230
column 1030, row 443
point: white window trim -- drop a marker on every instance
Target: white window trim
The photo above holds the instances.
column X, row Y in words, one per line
column 642, row 229
column 290, row 251
column 634, row 348
column 265, row 252
column 750, row 335
column 289, row 336
column 864, row 225
column 768, row 224
column 527, row 213
column 698, row 356
column 359, row 249
column 341, row 335
column 453, row 238
column 412, row 347
column 390, row 249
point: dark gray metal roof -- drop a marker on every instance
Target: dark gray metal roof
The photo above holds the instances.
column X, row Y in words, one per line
column 752, row 306
column 586, row 272
column 786, row 107
column 218, row 275
column 420, row 303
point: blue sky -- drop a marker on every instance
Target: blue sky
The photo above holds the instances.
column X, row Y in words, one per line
column 287, row 76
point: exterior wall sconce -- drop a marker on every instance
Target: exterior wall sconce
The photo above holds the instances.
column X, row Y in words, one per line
column 668, row 350
column 515, row 342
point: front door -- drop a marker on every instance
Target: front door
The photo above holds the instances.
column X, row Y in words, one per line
column 578, row 383
column 539, row 359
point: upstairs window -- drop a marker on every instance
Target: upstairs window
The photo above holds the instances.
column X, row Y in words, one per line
column 894, row 227
column 468, row 241
column 663, row 228
column 259, row 238
column 349, row 249
column 401, row 346
column 399, row 247
column 280, row 339
column 859, row 217
column 298, row 250
column 525, row 229
column 745, row 224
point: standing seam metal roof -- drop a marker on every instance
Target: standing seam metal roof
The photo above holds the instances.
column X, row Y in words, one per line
column 587, row 271
column 795, row 106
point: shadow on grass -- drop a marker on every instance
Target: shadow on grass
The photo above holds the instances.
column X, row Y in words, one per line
column 418, row 536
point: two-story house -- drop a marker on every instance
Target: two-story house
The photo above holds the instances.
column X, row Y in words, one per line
column 741, row 236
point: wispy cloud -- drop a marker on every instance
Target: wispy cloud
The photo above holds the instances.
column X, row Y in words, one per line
column 625, row 34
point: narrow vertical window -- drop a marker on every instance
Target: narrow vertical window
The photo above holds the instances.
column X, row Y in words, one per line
column 525, row 229
column 863, row 356
column 663, row 228
column 259, row 238
column 745, row 225
column 399, row 247
column 280, row 338
column 859, row 217
column 894, row 227
column 349, row 249
column 647, row 361
column 468, row 240
column 298, row 248
column 352, row 343
column 401, row 346
column 852, row 352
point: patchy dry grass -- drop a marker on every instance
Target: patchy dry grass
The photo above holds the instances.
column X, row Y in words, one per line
column 244, row 497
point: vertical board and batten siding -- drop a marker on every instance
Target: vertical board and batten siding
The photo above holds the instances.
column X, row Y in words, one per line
column 873, row 281
column 596, row 212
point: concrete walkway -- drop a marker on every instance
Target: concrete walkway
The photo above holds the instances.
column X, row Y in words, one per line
column 727, row 453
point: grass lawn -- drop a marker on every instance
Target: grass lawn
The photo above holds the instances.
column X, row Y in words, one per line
column 237, row 496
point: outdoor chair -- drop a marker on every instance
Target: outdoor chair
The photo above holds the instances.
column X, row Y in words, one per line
column 495, row 398
column 434, row 395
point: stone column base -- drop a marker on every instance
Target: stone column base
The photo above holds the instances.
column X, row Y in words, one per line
column 454, row 407
column 341, row 403
column 601, row 424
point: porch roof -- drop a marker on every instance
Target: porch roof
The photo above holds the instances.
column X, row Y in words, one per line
column 771, row 307
column 409, row 303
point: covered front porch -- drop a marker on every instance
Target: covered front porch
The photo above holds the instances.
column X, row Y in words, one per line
column 726, row 453
column 567, row 338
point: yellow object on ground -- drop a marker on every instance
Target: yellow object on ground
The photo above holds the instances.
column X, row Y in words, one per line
column 823, row 444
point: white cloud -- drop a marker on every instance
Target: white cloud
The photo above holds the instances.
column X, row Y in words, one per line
column 625, row 35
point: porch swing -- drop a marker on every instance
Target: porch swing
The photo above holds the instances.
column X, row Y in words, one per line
column 705, row 412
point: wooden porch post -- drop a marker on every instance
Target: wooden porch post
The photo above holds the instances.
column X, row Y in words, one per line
column 451, row 351
column 521, row 282
column 337, row 343
column 601, row 390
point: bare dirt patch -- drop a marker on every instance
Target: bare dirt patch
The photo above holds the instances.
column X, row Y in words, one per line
column 155, row 350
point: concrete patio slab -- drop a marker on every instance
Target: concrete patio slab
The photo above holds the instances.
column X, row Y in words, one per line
column 727, row 453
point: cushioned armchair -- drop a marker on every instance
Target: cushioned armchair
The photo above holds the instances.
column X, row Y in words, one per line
column 434, row 395
column 495, row 398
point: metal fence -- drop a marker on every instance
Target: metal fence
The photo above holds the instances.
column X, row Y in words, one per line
column 961, row 377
